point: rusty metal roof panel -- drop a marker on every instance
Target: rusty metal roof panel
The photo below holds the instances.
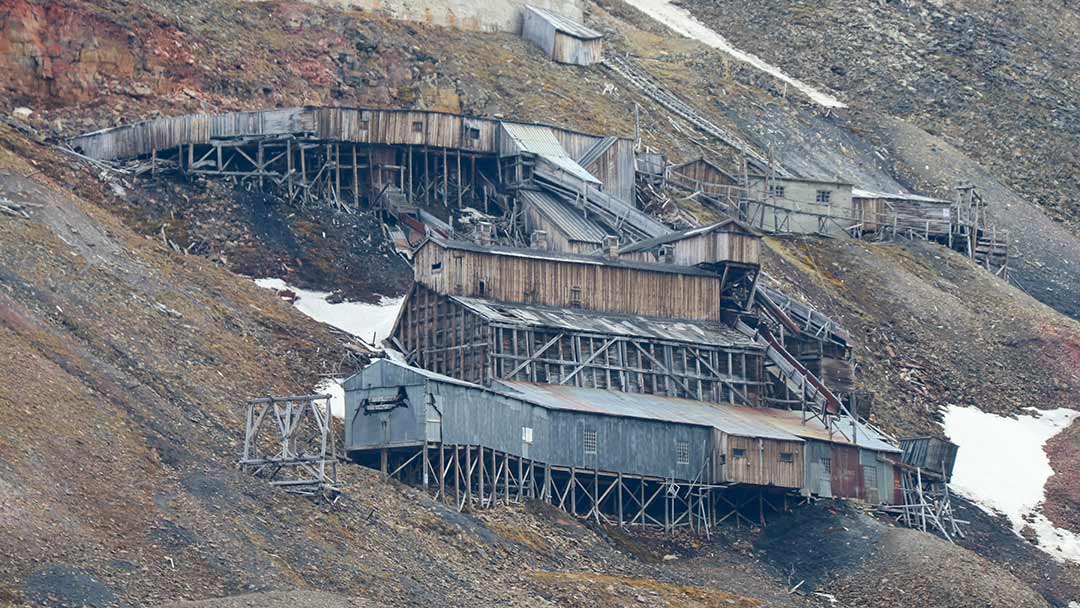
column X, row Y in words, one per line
column 572, row 223
column 565, row 25
column 792, row 422
column 647, row 407
column 697, row 332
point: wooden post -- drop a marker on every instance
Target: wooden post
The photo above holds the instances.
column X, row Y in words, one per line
column 468, row 473
column 442, row 473
column 424, row 464
column 620, row 490
column 457, row 479
column 355, row 179
column 384, row 461
column 480, row 468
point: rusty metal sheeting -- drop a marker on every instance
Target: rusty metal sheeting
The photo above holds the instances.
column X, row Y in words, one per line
column 727, row 418
column 792, row 422
column 694, row 332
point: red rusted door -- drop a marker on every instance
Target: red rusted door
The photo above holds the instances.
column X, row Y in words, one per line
column 847, row 478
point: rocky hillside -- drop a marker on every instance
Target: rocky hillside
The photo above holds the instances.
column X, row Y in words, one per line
column 999, row 81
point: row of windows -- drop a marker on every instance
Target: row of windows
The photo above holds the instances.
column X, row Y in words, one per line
column 784, row 456
column 589, row 443
column 822, row 196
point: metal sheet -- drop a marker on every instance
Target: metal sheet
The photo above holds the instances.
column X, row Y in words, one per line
column 565, row 25
column 731, row 419
column 541, row 141
column 792, row 422
column 697, row 332
column 572, row 223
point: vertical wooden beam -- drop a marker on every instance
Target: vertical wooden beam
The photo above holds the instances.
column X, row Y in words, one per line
column 355, row 179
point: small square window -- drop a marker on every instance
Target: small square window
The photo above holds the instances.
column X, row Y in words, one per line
column 776, row 191
column 824, row 196
column 787, row 457
column 575, row 297
column 436, row 268
column 738, row 453
column 588, row 440
column 473, row 133
column 682, row 452
column 418, row 126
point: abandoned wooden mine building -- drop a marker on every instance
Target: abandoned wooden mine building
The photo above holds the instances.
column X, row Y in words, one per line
column 561, row 38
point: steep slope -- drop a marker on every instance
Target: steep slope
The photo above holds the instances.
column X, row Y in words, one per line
column 996, row 81
column 124, row 364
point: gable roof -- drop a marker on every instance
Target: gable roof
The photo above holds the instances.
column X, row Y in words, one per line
column 565, row 25
column 559, row 256
column 697, row 332
column 732, row 225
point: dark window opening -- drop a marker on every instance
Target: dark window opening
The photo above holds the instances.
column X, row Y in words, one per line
column 776, row 191
column 436, row 268
column 473, row 133
column 787, row 457
column 738, row 453
column 575, row 297
column 824, row 196
column 418, row 127
column 482, row 287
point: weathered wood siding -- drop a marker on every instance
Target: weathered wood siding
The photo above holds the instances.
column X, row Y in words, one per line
column 600, row 287
column 761, row 462
column 373, row 126
column 568, row 49
column 704, row 248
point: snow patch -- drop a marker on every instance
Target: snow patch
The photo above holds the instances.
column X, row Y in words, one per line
column 1002, row 466
column 369, row 322
column 682, row 22
column 333, row 387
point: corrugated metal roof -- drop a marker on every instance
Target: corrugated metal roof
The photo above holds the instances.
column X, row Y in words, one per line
column 902, row 196
column 596, row 150
column 541, row 141
column 682, row 234
column 700, row 332
column 353, row 381
column 572, row 223
column 540, row 254
column 792, row 422
column 567, row 26
column 727, row 418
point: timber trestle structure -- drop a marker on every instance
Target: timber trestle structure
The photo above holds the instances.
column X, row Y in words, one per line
column 476, row 477
column 441, row 334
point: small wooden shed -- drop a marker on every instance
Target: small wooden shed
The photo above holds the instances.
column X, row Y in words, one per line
column 726, row 241
column 562, row 39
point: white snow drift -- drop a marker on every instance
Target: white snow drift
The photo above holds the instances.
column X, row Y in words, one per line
column 682, row 22
column 369, row 322
column 1001, row 465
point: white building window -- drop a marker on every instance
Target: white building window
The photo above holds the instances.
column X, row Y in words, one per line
column 588, row 440
column 776, row 191
column 682, row 452
column 824, row 196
